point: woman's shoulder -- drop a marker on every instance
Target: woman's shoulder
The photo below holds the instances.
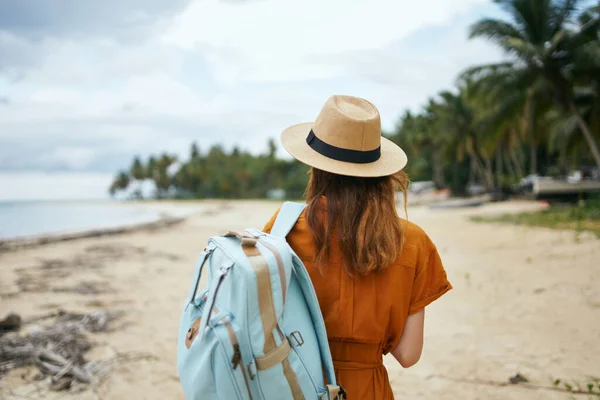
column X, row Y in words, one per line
column 415, row 236
column 417, row 246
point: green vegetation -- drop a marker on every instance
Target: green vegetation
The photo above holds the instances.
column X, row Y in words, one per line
column 591, row 386
column 582, row 217
column 537, row 112
column 216, row 174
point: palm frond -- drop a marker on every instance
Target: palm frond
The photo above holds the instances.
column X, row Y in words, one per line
column 557, row 41
column 496, row 123
column 587, row 58
column 562, row 13
column 474, row 74
column 532, row 17
column 495, row 30
column 447, row 96
column 588, row 32
column 508, row 111
column 493, row 85
column 564, row 133
column 506, row 5
column 522, row 48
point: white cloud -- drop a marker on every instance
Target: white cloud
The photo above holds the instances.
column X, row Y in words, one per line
column 72, row 157
column 129, row 20
column 83, row 62
column 221, row 72
column 272, row 40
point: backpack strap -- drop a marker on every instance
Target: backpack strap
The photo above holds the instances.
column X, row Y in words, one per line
column 285, row 221
column 287, row 217
column 319, row 324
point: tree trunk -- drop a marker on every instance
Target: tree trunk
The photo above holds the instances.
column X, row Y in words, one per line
column 499, row 166
column 438, row 168
column 509, row 165
column 532, row 156
column 480, row 169
column 531, row 134
column 517, row 163
column 472, row 171
column 487, row 178
column 489, row 172
column 586, row 133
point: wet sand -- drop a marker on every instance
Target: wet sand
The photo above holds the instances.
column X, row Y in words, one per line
column 524, row 300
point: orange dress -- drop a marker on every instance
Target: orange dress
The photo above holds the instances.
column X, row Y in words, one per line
column 365, row 315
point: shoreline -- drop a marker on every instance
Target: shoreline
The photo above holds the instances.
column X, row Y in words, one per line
column 27, row 242
column 169, row 213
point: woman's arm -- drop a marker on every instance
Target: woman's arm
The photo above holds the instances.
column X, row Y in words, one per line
column 408, row 351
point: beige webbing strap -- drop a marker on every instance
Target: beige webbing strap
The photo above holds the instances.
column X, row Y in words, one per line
column 265, row 297
column 269, row 319
column 247, row 239
column 282, row 276
column 274, row 357
column 292, row 379
column 251, row 252
column 334, row 392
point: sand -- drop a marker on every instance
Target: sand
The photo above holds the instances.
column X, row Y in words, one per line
column 524, row 300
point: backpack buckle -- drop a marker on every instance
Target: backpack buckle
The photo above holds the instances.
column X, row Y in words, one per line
column 192, row 333
column 248, row 240
column 296, row 339
column 252, row 371
column 334, row 392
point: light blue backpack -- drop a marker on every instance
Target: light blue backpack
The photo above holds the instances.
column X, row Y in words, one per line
column 257, row 332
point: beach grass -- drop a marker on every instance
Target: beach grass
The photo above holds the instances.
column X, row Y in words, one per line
column 583, row 217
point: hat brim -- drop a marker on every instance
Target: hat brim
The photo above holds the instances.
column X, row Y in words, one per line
column 392, row 160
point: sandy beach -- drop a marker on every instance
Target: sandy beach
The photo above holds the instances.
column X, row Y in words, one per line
column 525, row 300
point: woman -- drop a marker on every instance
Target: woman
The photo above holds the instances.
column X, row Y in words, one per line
column 373, row 272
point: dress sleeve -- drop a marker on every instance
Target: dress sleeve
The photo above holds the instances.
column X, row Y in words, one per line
column 269, row 225
column 430, row 281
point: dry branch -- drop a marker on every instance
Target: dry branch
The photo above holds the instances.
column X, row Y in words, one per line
column 57, row 350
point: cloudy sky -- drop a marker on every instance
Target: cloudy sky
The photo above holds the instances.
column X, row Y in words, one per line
column 86, row 85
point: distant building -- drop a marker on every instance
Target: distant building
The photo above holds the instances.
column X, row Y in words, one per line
column 276, row 194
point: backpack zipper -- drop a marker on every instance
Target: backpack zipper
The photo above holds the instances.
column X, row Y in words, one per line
column 236, row 360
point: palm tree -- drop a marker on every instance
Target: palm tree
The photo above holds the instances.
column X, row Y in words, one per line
column 235, row 174
column 121, row 182
column 137, row 172
column 419, row 134
column 194, row 171
column 162, row 178
column 194, row 152
column 151, row 167
column 547, row 55
column 461, row 120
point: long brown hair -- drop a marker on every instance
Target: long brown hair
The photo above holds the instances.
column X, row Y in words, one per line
column 360, row 215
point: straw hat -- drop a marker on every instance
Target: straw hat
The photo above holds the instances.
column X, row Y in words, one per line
column 345, row 139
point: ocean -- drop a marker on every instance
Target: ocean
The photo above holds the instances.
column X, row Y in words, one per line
column 33, row 218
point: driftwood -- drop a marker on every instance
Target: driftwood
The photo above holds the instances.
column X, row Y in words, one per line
column 12, row 322
column 58, row 350
column 56, row 365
